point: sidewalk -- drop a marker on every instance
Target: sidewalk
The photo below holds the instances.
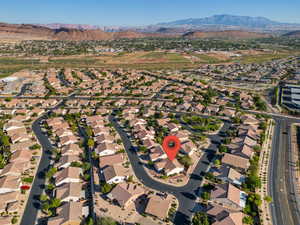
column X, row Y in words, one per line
column 294, row 161
column 264, row 163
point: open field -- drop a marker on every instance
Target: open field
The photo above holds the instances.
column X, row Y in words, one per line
column 137, row 60
column 261, row 58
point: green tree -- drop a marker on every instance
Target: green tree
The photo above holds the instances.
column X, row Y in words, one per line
column 46, row 208
column 86, row 166
column 248, row 220
column 43, row 198
column 106, row 188
column 51, row 172
column 205, row 195
column 252, row 182
column 50, row 187
column 186, row 161
column 268, row 199
column 5, row 140
column 55, row 203
column 34, row 147
column 223, row 148
column 217, row 162
column 106, row 221
column 14, row 220
column 89, row 131
column 90, row 143
column 130, row 179
column 200, row 218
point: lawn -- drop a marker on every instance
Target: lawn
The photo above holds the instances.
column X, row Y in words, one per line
column 261, row 58
column 136, row 60
column 167, row 57
column 207, row 59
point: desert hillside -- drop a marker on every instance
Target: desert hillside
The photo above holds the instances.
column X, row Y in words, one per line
column 231, row 34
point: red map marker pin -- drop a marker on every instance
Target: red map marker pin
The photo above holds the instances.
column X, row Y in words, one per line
column 171, row 146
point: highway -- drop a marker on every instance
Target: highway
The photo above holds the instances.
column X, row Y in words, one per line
column 281, row 187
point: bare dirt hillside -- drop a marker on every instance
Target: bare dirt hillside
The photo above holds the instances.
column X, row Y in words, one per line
column 230, row 34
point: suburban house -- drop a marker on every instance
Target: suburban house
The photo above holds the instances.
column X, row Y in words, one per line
column 69, row 213
column 182, row 135
column 188, row 148
column 199, row 108
column 235, row 161
column 67, row 140
column 62, row 132
column 68, row 175
column 115, row 174
column 21, row 156
column 13, row 125
column 149, row 143
column 157, row 153
column 9, row 184
column 104, row 149
column 71, row 149
column 228, row 196
column 169, row 167
column 244, row 140
column 244, row 151
column 144, row 134
column 100, row 130
column 125, row 193
column 66, row 160
column 20, row 146
column 173, row 127
column 223, row 216
column 158, row 206
column 104, row 137
column 69, row 192
column 7, row 200
column 111, row 160
column 14, row 169
column 228, row 174
column 19, row 137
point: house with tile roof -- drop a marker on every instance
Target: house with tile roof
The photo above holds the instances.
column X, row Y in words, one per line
column 125, row 194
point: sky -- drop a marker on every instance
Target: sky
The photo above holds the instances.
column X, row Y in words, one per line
column 140, row 12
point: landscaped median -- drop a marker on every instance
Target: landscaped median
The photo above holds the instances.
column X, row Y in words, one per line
column 264, row 163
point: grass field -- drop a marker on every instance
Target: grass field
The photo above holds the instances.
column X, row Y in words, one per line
column 136, row 60
column 261, row 58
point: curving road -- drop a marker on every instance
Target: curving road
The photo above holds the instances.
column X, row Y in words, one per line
column 186, row 194
column 33, row 204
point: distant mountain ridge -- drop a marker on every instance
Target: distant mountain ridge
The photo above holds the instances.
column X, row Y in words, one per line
column 219, row 26
column 295, row 34
column 227, row 20
column 227, row 34
column 35, row 32
column 212, row 23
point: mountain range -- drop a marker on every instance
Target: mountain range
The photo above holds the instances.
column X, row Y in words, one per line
column 218, row 26
column 212, row 23
column 227, row 20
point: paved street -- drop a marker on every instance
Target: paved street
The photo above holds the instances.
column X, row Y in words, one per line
column 283, row 208
column 186, row 194
column 31, row 210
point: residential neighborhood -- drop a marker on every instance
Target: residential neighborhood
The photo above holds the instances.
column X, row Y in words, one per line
column 85, row 145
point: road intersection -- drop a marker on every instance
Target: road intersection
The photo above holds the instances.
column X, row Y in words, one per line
column 280, row 186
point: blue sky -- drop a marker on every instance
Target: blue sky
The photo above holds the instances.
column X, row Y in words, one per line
column 140, row 12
